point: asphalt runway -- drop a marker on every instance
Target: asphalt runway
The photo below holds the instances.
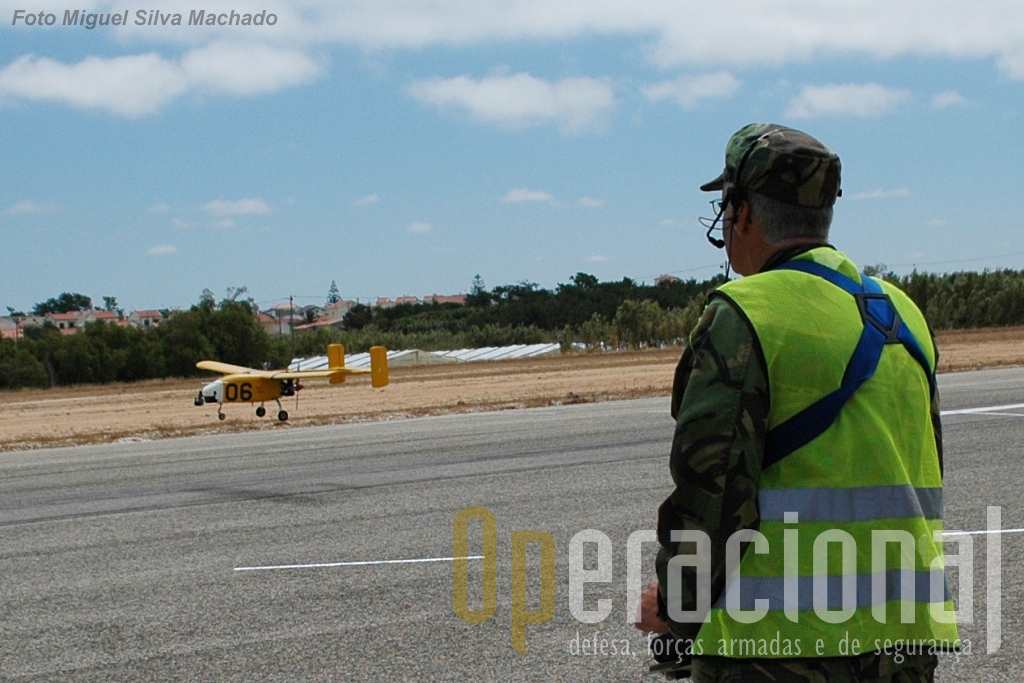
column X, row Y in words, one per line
column 324, row 554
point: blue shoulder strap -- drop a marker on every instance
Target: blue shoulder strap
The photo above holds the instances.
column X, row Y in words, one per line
column 882, row 325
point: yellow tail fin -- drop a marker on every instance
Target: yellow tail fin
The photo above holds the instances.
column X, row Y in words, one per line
column 336, row 361
column 379, row 366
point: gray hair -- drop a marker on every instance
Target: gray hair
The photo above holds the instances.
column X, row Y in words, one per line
column 782, row 222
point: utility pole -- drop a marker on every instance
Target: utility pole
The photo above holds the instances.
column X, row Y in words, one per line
column 291, row 321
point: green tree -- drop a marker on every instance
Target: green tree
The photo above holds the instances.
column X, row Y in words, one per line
column 19, row 368
column 478, row 296
column 45, row 342
column 596, row 332
column 77, row 361
column 637, row 323
column 236, row 335
column 566, row 339
column 185, row 342
column 64, row 303
column 358, row 317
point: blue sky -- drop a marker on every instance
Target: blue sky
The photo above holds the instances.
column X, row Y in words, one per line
column 401, row 147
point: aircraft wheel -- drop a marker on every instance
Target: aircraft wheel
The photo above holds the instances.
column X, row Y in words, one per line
column 261, row 411
column 221, row 416
column 283, row 415
column 198, row 401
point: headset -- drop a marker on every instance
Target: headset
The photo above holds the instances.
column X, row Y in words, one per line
column 736, row 194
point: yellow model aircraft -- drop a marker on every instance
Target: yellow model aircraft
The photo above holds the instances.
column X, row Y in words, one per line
column 247, row 385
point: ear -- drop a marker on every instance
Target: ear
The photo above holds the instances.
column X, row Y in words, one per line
column 743, row 219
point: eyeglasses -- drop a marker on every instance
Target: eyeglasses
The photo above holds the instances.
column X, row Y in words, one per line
column 712, row 224
column 717, row 207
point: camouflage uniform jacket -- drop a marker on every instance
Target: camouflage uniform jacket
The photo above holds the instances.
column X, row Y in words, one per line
column 721, row 406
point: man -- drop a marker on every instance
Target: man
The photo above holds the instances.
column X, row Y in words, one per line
column 807, row 456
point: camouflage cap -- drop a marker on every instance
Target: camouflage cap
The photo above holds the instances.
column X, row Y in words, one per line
column 781, row 163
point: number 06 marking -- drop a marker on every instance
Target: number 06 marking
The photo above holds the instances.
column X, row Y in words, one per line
column 233, row 393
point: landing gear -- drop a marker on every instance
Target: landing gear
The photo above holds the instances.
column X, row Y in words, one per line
column 199, row 400
column 220, row 415
column 282, row 415
column 261, row 411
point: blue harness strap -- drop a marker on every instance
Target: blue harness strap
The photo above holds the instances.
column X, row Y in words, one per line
column 882, row 325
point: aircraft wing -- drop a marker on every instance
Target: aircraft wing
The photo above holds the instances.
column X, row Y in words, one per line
column 238, row 371
column 336, row 374
column 312, row 374
column 229, row 369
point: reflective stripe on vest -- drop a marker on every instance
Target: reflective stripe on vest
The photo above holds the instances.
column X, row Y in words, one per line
column 828, row 592
column 851, row 504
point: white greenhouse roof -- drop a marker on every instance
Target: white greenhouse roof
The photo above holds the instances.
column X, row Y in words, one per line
column 415, row 356
column 501, row 352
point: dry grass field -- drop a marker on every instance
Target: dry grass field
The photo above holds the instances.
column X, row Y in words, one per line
column 163, row 408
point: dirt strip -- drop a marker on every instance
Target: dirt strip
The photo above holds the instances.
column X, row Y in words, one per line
column 163, row 408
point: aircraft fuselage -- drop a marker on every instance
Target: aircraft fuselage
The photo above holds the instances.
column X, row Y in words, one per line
column 247, row 390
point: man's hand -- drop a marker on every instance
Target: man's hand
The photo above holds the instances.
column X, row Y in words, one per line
column 647, row 618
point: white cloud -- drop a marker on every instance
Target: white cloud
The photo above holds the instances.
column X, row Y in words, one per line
column 590, row 203
column 937, row 222
column 223, row 207
column 1012, row 64
column 777, row 32
column 420, row 227
column 520, row 100
column 726, row 32
column 129, row 86
column 861, row 100
column 159, row 208
column 139, row 85
column 367, row 200
column 596, row 258
column 949, row 98
column 224, row 224
column 181, row 224
column 688, row 91
column 525, row 194
column 26, row 207
column 882, row 194
column 162, row 250
column 246, row 69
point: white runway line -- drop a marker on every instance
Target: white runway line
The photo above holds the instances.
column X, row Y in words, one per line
column 1004, row 414
column 327, row 565
column 367, row 563
column 983, row 531
column 986, row 410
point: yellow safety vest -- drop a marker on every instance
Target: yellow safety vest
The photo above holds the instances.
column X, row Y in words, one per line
column 848, row 552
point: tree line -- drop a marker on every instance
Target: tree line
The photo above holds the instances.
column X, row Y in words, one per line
column 102, row 352
column 581, row 313
column 966, row 300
